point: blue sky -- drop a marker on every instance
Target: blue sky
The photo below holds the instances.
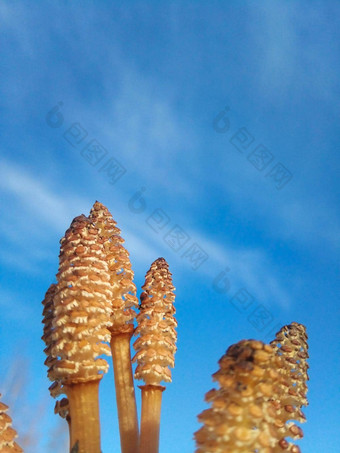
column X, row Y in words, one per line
column 178, row 99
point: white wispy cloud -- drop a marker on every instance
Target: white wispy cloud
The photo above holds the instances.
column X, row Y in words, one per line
column 310, row 221
column 142, row 128
column 139, row 125
column 37, row 198
column 142, row 122
column 35, row 208
column 290, row 61
column 249, row 267
column 297, row 214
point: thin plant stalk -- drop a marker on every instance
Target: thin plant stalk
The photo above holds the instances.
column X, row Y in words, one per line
column 125, row 392
column 151, row 417
column 124, row 302
column 68, row 419
column 84, row 413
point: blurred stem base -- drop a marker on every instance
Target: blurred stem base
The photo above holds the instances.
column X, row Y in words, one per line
column 151, row 416
column 84, row 414
column 125, row 392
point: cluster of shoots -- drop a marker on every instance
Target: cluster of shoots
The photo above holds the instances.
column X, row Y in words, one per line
column 262, row 388
column 92, row 312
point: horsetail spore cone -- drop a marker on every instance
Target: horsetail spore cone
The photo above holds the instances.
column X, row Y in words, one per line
column 155, row 348
column 290, row 344
column 123, row 301
column 82, row 311
column 56, row 389
column 246, row 414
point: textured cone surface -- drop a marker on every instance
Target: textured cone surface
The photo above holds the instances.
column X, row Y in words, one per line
column 48, row 314
column 155, row 347
column 291, row 345
column 56, row 389
column 7, row 433
column 81, row 307
column 124, row 299
column 244, row 415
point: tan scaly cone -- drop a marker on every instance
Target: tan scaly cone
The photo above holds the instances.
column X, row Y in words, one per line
column 82, row 311
column 244, row 416
column 123, row 301
column 291, row 345
column 56, row 389
column 155, row 348
column 7, row 433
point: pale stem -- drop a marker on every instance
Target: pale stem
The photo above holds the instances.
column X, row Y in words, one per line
column 84, row 413
column 125, row 392
column 68, row 419
column 151, row 416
